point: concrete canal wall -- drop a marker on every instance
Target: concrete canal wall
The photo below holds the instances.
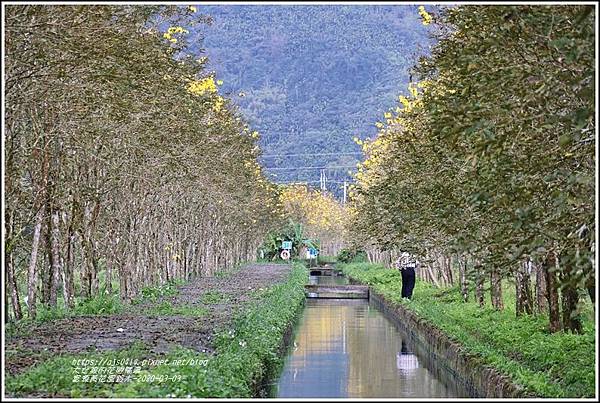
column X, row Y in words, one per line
column 466, row 369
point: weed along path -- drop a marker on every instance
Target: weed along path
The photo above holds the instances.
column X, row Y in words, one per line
column 195, row 323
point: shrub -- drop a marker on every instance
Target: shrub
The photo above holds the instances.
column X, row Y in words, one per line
column 352, row 256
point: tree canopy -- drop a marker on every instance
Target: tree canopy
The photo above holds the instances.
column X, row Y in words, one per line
column 492, row 151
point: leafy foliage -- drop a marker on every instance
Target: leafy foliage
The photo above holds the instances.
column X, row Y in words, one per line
column 321, row 216
column 491, row 154
column 122, row 154
column 351, row 256
column 293, row 232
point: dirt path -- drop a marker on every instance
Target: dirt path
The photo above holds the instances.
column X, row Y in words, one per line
column 159, row 332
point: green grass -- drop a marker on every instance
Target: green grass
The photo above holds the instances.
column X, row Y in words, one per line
column 546, row 365
column 154, row 293
column 54, row 377
column 214, row 297
column 245, row 352
column 102, row 304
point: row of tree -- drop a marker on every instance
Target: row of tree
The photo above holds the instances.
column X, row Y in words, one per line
column 124, row 166
column 309, row 219
column 321, row 215
column 490, row 159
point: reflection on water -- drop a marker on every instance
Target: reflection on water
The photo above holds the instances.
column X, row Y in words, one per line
column 328, row 280
column 346, row 348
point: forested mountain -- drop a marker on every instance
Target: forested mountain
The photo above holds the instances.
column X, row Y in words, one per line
column 310, row 78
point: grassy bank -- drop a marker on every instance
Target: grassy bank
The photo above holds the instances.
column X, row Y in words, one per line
column 244, row 352
column 546, row 365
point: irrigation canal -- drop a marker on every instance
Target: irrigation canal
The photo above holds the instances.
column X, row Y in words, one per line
column 347, row 348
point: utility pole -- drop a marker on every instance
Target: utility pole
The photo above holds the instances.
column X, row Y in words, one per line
column 345, row 190
column 323, row 179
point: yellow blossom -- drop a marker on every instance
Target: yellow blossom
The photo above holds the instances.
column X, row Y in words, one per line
column 405, row 102
column 425, row 15
column 413, row 90
column 172, row 31
column 203, row 86
column 218, row 104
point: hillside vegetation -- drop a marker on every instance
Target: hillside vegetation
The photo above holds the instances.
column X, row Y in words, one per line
column 312, row 77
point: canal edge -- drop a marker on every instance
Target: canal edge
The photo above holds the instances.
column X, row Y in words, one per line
column 482, row 380
column 261, row 386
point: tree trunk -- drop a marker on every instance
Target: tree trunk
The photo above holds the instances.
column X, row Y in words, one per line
column 479, row 279
column 448, row 268
column 85, row 276
column 496, row 289
column 54, row 257
column 109, row 271
column 570, row 299
column 45, row 270
column 11, row 287
column 590, row 286
column 32, row 273
column 68, row 275
column 541, row 296
column 462, row 274
column 9, row 261
column 552, row 292
column 431, row 274
column 523, row 291
column 571, row 318
column 123, row 280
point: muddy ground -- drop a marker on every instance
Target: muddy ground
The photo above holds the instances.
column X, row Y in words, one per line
column 159, row 333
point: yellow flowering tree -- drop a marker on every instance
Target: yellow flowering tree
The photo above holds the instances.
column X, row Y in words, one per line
column 322, row 216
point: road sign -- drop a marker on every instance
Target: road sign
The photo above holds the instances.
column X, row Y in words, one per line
column 313, row 252
column 286, row 245
column 285, row 254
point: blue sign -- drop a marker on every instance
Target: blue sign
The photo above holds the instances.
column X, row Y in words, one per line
column 313, row 252
column 286, row 245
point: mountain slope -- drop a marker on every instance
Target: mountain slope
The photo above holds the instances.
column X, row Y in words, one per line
column 309, row 78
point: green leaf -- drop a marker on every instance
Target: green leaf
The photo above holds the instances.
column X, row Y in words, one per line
column 564, row 140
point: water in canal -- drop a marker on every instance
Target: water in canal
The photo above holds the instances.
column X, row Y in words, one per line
column 328, row 280
column 345, row 348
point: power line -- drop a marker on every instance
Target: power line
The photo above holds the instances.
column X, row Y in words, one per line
column 307, row 154
column 330, row 167
column 301, row 182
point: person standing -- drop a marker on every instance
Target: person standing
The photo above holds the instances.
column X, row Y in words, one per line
column 407, row 266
